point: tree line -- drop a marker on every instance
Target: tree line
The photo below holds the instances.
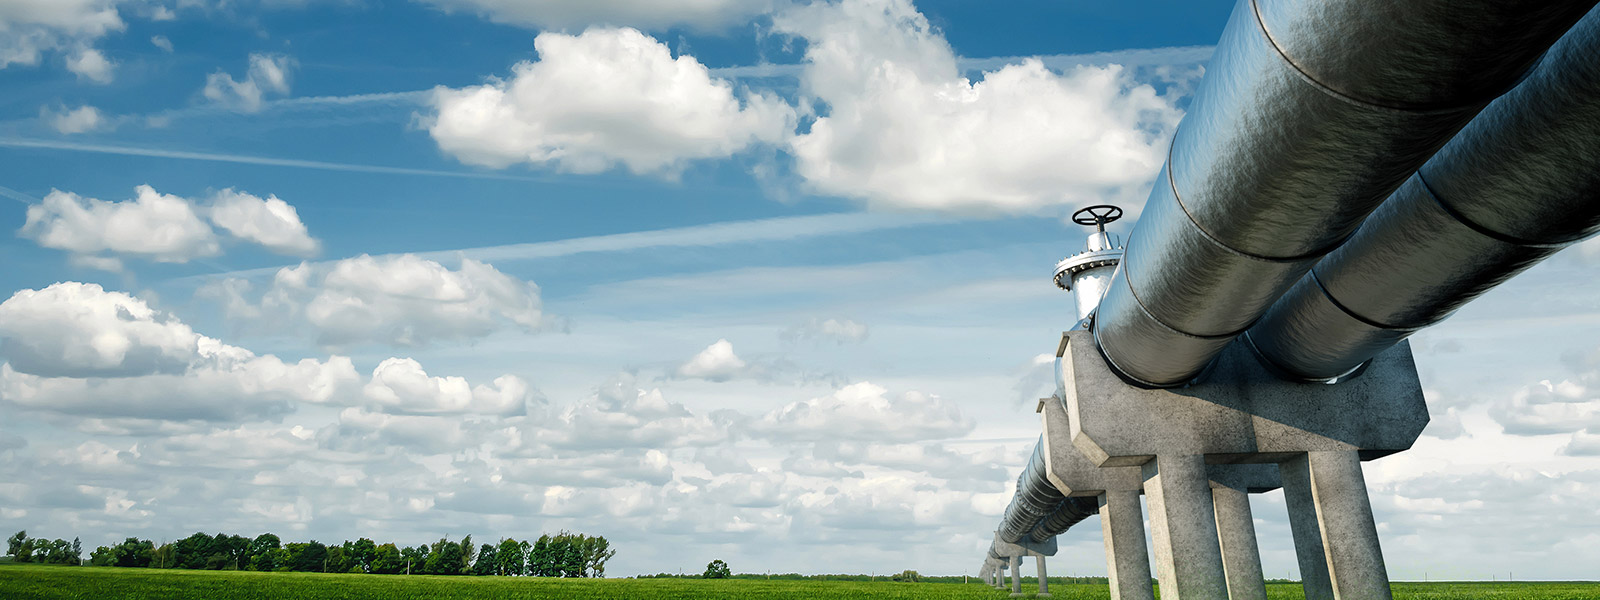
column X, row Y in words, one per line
column 564, row 554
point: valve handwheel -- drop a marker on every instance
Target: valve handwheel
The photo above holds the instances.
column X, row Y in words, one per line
column 1097, row 215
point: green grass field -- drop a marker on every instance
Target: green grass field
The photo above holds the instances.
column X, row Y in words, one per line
column 35, row 582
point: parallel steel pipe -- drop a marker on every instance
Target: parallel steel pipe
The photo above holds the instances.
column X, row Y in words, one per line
column 1519, row 183
column 1310, row 114
column 1039, row 511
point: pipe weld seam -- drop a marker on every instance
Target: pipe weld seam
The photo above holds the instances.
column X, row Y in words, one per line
column 1477, row 227
column 1352, row 313
column 1172, row 184
column 1416, row 109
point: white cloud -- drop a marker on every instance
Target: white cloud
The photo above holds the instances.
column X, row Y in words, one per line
column 399, row 385
column 81, row 330
column 76, row 349
column 78, row 120
column 91, row 64
column 716, row 363
column 400, row 299
column 622, row 415
column 1585, row 442
column 903, row 129
column 863, row 412
column 268, row 74
column 31, row 27
column 599, row 99
column 272, row 223
column 153, row 226
column 161, row 41
column 162, row 227
column 1546, row 408
column 645, row 14
column 842, row 331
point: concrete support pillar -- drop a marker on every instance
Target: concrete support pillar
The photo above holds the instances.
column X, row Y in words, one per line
column 1127, row 559
column 1349, row 533
column 1044, row 579
column 1296, row 476
column 1016, row 577
column 1236, row 533
column 1184, row 528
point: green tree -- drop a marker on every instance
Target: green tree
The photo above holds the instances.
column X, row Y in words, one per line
column 164, row 557
column 363, row 552
column 488, row 563
column 540, row 561
column 717, row 569
column 104, row 556
column 19, row 547
column 597, row 550
column 259, row 552
column 510, row 558
column 337, row 561
column 907, row 575
column 467, row 554
column 134, row 552
column 386, row 559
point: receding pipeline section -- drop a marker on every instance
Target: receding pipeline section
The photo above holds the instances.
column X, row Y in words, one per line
column 1036, row 499
column 1519, row 183
column 1311, row 113
column 1070, row 512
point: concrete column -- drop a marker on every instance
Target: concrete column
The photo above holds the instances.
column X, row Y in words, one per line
column 1236, row 533
column 1184, row 528
column 1349, row 533
column 1296, row 476
column 1127, row 559
column 1044, row 579
column 1016, row 577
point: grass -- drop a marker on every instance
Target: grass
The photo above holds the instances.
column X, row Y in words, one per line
column 38, row 582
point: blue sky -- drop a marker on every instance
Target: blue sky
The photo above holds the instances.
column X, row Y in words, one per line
column 760, row 281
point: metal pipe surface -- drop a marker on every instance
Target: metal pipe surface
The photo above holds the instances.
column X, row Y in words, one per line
column 1039, row 511
column 1310, row 114
column 1519, row 183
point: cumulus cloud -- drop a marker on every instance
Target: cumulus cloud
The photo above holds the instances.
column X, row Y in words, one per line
column 152, row 226
column 841, row 331
column 716, row 363
column 602, row 98
column 903, row 129
column 1546, row 408
column 401, row 300
column 69, row 121
column 29, row 28
column 90, row 64
column 76, row 349
column 399, row 385
column 162, row 227
column 268, row 74
column 161, row 41
column 622, row 415
column 645, row 14
column 271, row 222
column 864, row 412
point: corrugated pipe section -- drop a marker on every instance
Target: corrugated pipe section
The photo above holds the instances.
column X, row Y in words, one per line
column 1039, row 511
column 1516, row 185
column 1310, row 114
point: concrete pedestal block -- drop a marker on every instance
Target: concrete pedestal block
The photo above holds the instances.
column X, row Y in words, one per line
column 1184, row 528
column 1127, row 559
column 1296, row 474
column 1349, row 534
column 1044, row 579
column 1016, row 577
column 1236, row 531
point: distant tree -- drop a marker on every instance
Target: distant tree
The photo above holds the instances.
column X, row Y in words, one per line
column 597, row 550
column 258, row 554
column 19, row 547
column 337, row 561
column 527, row 553
column 386, row 559
column 164, row 557
column 717, row 569
column 488, row 563
column 412, row 559
column 571, row 556
column 540, row 561
column 309, row 557
column 907, row 575
column 468, row 553
column 363, row 552
column 104, row 556
column 510, row 559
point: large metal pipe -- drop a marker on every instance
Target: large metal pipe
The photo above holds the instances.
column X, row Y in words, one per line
column 1311, row 113
column 1516, row 185
column 1039, row 511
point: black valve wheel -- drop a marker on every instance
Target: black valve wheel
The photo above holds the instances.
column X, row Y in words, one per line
column 1097, row 215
